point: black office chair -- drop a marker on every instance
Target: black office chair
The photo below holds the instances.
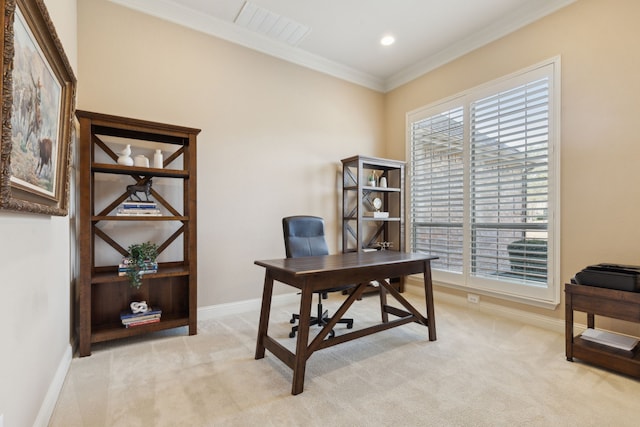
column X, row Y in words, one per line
column 304, row 236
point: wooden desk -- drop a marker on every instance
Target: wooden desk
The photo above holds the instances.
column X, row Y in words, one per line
column 316, row 273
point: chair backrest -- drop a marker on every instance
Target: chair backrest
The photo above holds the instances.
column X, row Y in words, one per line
column 304, row 236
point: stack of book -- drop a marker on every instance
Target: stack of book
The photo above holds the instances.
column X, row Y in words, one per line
column 125, row 266
column 130, row 319
column 130, row 208
column 610, row 339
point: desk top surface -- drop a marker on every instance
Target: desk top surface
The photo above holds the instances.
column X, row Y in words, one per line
column 351, row 260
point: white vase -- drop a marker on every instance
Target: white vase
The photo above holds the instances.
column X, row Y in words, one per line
column 158, row 160
column 141, row 161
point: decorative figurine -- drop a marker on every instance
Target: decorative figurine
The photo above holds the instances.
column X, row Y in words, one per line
column 139, row 307
column 124, row 158
column 133, row 191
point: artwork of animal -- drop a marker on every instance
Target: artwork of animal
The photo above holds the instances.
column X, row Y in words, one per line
column 133, row 191
column 35, row 123
column 45, row 146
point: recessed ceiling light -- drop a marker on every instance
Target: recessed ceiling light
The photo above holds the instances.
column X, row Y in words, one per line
column 387, row 40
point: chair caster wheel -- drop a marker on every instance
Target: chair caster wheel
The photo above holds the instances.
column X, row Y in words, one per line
column 292, row 321
column 349, row 325
column 292, row 334
column 332, row 334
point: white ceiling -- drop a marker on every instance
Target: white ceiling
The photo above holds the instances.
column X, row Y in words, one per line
column 343, row 35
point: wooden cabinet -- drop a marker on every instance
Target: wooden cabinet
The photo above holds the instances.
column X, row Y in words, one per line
column 373, row 205
column 104, row 236
column 608, row 303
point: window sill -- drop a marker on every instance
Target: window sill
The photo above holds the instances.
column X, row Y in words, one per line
column 416, row 280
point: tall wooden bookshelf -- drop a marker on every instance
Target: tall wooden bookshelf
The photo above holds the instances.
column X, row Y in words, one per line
column 373, row 205
column 101, row 294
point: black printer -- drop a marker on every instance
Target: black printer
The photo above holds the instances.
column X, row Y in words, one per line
column 611, row 276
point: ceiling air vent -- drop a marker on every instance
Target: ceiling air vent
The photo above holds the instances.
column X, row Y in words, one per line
column 270, row 24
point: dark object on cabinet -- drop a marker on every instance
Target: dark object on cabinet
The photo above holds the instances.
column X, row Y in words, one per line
column 304, row 236
column 610, row 276
column 101, row 293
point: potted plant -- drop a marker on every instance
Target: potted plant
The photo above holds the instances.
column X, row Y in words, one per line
column 141, row 260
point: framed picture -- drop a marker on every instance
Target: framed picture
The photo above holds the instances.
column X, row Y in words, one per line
column 38, row 99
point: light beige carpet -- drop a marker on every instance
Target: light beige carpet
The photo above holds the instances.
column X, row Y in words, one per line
column 482, row 371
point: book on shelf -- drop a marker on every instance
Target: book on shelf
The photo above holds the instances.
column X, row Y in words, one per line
column 128, row 314
column 155, row 317
column 125, row 266
column 139, row 205
column 376, row 214
column 144, row 322
column 123, row 272
column 138, row 212
column 149, row 265
column 610, row 339
column 140, row 319
column 128, row 318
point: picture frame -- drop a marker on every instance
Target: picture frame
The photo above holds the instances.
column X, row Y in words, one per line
column 38, row 101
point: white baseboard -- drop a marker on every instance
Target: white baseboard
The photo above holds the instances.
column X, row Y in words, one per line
column 416, row 287
column 51, row 398
column 254, row 305
column 413, row 286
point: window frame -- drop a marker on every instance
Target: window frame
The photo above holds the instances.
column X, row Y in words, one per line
column 542, row 296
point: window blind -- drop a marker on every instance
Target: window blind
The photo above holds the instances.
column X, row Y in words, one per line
column 437, row 182
column 509, row 149
column 485, row 186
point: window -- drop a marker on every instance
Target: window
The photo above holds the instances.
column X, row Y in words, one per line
column 484, row 181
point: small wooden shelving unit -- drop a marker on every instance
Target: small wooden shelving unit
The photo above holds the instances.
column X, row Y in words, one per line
column 101, row 295
column 360, row 230
column 610, row 303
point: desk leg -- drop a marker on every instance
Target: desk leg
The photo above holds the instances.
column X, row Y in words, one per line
column 383, row 303
column 428, row 296
column 302, row 345
column 264, row 314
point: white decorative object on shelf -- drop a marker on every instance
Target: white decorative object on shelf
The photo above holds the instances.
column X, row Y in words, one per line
column 377, row 203
column 141, row 161
column 158, row 160
column 383, row 182
column 124, row 158
column 372, row 179
column 139, row 307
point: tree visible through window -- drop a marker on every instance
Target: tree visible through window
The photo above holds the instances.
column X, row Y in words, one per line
column 481, row 181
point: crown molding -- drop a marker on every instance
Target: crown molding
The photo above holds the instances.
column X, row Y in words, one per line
column 531, row 12
column 169, row 11
column 201, row 22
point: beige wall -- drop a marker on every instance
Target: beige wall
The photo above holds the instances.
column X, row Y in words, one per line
column 600, row 154
column 35, row 291
column 272, row 136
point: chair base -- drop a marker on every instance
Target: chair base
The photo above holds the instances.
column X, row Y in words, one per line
column 321, row 320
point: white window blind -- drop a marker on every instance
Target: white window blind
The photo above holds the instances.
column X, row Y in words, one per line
column 509, row 183
column 437, row 180
column 484, row 183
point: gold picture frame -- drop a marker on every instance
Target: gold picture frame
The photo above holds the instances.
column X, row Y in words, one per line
column 38, row 100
